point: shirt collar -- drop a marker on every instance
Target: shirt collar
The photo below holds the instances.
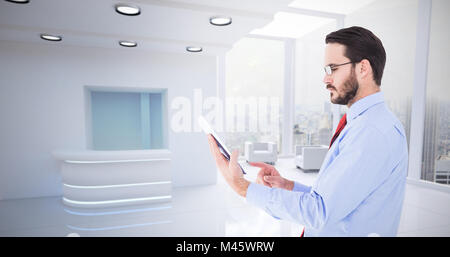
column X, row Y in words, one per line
column 363, row 104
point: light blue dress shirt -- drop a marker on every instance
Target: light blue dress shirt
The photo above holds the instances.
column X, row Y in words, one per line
column 360, row 187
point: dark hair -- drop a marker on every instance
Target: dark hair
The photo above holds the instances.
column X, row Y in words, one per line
column 361, row 43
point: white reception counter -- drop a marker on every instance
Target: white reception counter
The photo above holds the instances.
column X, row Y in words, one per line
column 115, row 178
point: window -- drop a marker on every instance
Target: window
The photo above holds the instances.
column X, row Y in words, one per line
column 254, row 90
column 126, row 120
column 436, row 140
column 398, row 76
column 313, row 117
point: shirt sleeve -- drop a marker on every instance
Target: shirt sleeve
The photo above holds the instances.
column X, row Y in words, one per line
column 296, row 206
column 299, row 187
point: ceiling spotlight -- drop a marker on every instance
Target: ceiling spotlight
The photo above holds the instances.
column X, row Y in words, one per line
column 194, row 49
column 127, row 9
column 220, row 20
column 51, row 37
column 127, row 43
column 18, row 1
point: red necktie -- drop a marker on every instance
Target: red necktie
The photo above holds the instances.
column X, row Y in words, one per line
column 340, row 127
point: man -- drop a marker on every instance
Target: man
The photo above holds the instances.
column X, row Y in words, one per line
column 360, row 187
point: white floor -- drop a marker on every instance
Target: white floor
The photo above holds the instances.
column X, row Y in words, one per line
column 200, row 211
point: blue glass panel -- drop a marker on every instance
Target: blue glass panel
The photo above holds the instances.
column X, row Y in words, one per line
column 126, row 121
column 145, row 120
column 156, row 121
column 116, row 121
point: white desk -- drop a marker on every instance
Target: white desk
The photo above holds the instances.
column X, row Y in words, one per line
column 93, row 179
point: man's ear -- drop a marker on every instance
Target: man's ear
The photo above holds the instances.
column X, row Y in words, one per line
column 365, row 69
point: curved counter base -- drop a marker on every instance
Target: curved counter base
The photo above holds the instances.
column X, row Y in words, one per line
column 95, row 179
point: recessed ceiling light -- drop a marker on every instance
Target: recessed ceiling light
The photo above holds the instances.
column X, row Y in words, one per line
column 194, row 49
column 127, row 43
column 51, row 37
column 18, row 1
column 127, row 9
column 220, row 20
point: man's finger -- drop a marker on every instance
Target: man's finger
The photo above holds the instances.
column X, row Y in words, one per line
column 272, row 180
column 234, row 156
column 260, row 179
column 234, row 162
column 213, row 147
column 269, row 179
column 259, row 164
column 220, row 159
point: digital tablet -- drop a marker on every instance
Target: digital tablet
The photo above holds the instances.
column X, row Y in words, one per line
column 208, row 130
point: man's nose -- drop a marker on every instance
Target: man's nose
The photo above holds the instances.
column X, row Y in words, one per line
column 327, row 79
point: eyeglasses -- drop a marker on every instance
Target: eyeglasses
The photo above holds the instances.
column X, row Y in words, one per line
column 330, row 68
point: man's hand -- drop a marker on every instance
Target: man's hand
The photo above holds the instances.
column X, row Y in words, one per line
column 270, row 177
column 230, row 169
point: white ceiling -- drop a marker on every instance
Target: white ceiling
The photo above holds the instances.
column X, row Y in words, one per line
column 291, row 25
column 341, row 6
column 164, row 25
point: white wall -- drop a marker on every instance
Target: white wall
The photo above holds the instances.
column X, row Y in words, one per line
column 42, row 108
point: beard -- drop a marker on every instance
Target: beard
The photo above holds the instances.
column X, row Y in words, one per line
column 349, row 90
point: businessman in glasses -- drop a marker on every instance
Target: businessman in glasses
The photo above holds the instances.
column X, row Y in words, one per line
column 360, row 187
